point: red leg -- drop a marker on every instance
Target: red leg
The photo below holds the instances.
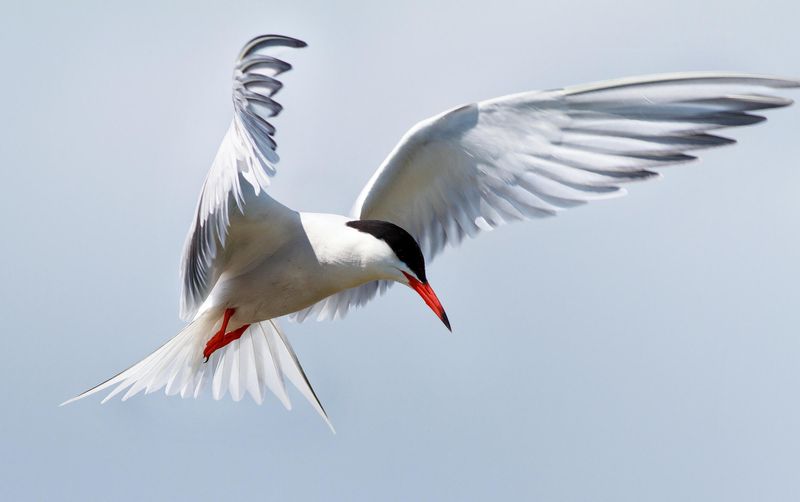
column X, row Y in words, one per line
column 216, row 341
column 234, row 335
column 225, row 318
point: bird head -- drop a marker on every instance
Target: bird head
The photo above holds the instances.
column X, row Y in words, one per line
column 407, row 265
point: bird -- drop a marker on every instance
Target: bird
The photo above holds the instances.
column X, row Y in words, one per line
column 249, row 260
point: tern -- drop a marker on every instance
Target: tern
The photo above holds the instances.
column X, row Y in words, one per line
column 248, row 259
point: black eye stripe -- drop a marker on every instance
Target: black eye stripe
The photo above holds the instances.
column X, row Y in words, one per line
column 401, row 242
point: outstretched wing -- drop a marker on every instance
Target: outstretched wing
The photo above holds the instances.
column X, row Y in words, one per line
column 246, row 157
column 536, row 154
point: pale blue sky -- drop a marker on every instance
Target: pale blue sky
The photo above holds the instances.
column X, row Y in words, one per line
column 641, row 349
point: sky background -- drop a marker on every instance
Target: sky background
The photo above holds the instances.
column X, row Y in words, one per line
column 641, row 349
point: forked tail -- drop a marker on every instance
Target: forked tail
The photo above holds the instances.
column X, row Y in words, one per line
column 253, row 364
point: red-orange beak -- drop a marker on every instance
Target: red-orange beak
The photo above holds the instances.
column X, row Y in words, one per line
column 426, row 292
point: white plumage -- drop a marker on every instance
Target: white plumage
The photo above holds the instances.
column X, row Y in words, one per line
column 472, row 168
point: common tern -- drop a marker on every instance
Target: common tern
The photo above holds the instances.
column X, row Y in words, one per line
column 249, row 259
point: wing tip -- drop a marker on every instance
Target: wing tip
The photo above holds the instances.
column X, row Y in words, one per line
column 270, row 40
column 759, row 80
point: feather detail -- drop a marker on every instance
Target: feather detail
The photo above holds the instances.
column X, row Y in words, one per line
column 247, row 156
column 254, row 364
column 537, row 153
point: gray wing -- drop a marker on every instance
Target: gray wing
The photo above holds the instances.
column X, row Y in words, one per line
column 245, row 159
column 539, row 153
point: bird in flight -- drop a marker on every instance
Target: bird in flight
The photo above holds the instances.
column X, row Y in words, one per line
column 248, row 259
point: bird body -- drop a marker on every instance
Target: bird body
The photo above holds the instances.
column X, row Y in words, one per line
column 249, row 259
column 316, row 255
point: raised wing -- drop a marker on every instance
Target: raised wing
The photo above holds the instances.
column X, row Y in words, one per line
column 536, row 154
column 246, row 157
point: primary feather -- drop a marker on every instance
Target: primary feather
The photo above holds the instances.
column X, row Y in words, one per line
column 538, row 153
column 247, row 155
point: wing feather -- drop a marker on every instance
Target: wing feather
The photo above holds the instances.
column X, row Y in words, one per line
column 535, row 154
column 246, row 158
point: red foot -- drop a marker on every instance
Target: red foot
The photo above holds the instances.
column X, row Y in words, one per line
column 220, row 338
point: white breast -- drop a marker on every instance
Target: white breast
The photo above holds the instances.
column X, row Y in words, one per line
column 323, row 257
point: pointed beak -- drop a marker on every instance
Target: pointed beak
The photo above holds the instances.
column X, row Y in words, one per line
column 426, row 292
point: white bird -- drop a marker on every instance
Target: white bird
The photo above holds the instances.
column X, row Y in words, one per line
column 249, row 259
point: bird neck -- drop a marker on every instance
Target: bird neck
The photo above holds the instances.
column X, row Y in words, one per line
column 346, row 250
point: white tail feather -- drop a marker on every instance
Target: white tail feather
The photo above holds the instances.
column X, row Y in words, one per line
column 253, row 364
